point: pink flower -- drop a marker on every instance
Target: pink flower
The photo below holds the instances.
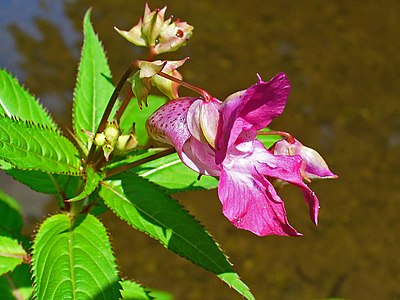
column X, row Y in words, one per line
column 219, row 139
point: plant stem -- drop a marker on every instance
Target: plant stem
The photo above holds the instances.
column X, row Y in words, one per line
column 111, row 104
column 139, row 162
column 286, row 135
column 123, row 105
column 207, row 97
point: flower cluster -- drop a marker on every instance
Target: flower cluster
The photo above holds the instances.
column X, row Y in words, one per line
column 220, row 138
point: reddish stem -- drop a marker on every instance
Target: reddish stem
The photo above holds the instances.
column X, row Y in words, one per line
column 207, row 97
column 286, row 135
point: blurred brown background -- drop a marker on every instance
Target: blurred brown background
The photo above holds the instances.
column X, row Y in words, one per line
column 342, row 58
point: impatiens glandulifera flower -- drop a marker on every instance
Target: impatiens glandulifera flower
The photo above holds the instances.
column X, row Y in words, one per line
column 158, row 35
column 219, row 139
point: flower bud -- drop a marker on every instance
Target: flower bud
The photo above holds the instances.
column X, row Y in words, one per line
column 155, row 33
column 111, row 133
column 125, row 144
column 313, row 166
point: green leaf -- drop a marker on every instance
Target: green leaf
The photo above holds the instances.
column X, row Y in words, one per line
column 94, row 84
column 27, row 146
column 47, row 183
column 134, row 291
column 17, row 285
column 11, row 253
column 10, row 213
column 72, row 259
column 268, row 140
column 133, row 114
column 92, row 180
column 170, row 173
column 15, row 101
column 145, row 207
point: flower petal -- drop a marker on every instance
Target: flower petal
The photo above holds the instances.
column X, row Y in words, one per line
column 258, row 106
column 199, row 157
column 250, row 202
column 286, row 168
column 169, row 125
column 314, row 166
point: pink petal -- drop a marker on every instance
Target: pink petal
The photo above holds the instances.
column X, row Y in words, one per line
column 258, row 106
column 168, row 124
column 314, row 166
column 250, row 202
column 286, row 168
column 199, row 157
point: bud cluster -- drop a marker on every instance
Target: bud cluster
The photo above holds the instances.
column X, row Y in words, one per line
column 112, row 141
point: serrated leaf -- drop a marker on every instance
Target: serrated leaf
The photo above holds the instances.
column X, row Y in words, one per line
column 72, row 259
column 92, row 180
column 170, row 173
column 27, row 146
column 17, row 285
column 145, row 207
column 134, row 291
column 93, row 87
column 15, row 101
column 10, row 213
column 133, row 114
column 47, row 183
column 11, row 253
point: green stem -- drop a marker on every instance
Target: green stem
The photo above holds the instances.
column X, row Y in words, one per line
column 111, row 104
column 139, row 162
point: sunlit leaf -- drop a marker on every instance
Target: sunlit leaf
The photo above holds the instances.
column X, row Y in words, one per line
column 11, row 252
column 133, row 114
column 268, row 140
column 134, row 291
column 72, row 259
column 170, row 173
column 145, row 207
column 15, row 101
column 93, row 87
column 92, row 179
column 27, row 146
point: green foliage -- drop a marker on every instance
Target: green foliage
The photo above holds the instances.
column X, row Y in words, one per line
column 47, row 183
column 268, row 140
column 15, row 101
column 134, row 291
column 72, row 259
column 27, row 146
column 133, row 114
column 94, row 85
column 92, row 180
column 170, row 173
column 16, row 285
column 10, row 213
column 11, row 253
column 145, row 207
